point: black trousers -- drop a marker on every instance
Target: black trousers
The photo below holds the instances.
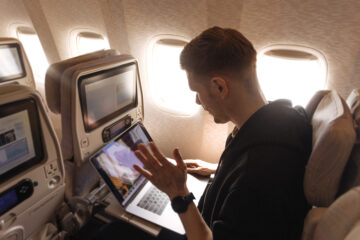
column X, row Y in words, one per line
column 119, row 230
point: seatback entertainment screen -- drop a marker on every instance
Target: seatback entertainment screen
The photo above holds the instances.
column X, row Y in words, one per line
column 20, row 138
column 107, row 94
column 11, row 65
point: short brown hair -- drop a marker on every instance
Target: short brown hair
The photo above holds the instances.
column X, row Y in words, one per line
column 218, row 50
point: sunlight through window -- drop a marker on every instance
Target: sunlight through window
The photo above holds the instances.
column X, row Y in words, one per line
column 170, row 85
column 291, row 74
column 35, row 53
column 87, row 42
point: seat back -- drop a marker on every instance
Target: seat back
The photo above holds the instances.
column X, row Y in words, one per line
column 31, row 169
column 333, row 139
column 342, row 218
column 14, row 65
column 86, row 90
column 53, row 93
column 351, row 176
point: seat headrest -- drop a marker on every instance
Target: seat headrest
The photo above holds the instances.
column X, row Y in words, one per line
column 56, row 70
column 351, row 176
column 25, row 75
column 333, row 139
column 61, row 92
column 314, row 102
column 342, row 218
column 353, row 102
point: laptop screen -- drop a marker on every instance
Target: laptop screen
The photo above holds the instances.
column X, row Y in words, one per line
column 115, row 161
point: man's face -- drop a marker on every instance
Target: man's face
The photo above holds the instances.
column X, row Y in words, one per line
column 206, row 98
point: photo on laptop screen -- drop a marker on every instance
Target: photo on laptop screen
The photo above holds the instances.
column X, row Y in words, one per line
column 117, row 159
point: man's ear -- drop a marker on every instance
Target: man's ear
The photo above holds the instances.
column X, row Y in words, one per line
column 220, row 86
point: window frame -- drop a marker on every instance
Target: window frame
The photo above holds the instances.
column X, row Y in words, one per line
column 298, row 48
column 151, row 77
column 86, row 33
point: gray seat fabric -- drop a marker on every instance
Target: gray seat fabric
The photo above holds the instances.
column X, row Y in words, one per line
column 351, row 176
column 341, row 220
column 333, row 139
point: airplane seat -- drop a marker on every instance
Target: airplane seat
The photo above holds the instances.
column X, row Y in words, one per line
column 333, row 139
column 32, row 183
column 14, row 65
column 15, row 69
column 53, row 91
column 342, row 219
column 86, row 91
column 351, row 175
column 314, row 102
column 53, row 98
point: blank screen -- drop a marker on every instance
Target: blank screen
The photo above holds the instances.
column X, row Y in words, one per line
column 108, row 94
column 10, row 63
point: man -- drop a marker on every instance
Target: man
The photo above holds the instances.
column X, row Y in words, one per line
column 257, row 192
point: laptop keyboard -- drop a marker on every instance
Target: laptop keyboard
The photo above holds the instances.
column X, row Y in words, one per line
column 154, row 201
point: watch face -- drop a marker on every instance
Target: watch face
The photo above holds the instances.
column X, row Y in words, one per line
column 180, row 204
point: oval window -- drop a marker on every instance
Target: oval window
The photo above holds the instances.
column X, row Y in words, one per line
column 87, row 42
column 169, row 83
column 293, row 73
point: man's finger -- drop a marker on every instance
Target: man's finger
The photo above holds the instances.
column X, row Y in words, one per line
column 149, row 157
column 191, row 165
column 179, row 161
column 158, row 154
column 143, row 172
column 144, row 160
column 192, row 170
column 198, row 171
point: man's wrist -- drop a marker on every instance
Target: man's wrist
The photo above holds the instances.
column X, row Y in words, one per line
column 181, row 193
column 180, row 204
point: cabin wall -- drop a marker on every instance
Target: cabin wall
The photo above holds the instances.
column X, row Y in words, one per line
column 329, row 26
column 12, row 13
column 66, row 17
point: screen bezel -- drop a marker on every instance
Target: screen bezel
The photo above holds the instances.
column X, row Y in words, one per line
column 91, row 78
column 15, row 107
column 15, row 76
column 103, row 173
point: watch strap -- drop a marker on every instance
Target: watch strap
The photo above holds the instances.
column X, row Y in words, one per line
column 181, row 203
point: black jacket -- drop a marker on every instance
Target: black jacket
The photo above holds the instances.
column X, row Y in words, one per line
column 257, row 192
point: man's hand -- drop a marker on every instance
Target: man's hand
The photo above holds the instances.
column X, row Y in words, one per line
column 169, row 178
column 200, row 167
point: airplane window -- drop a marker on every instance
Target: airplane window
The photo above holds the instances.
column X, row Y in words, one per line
column 291, row 73
column 34, row 52
column 170, row 87
column 87, row 42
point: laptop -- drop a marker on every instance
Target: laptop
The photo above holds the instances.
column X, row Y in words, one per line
column 138, row 196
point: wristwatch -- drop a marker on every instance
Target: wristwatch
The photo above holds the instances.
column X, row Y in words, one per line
column 180, row 204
